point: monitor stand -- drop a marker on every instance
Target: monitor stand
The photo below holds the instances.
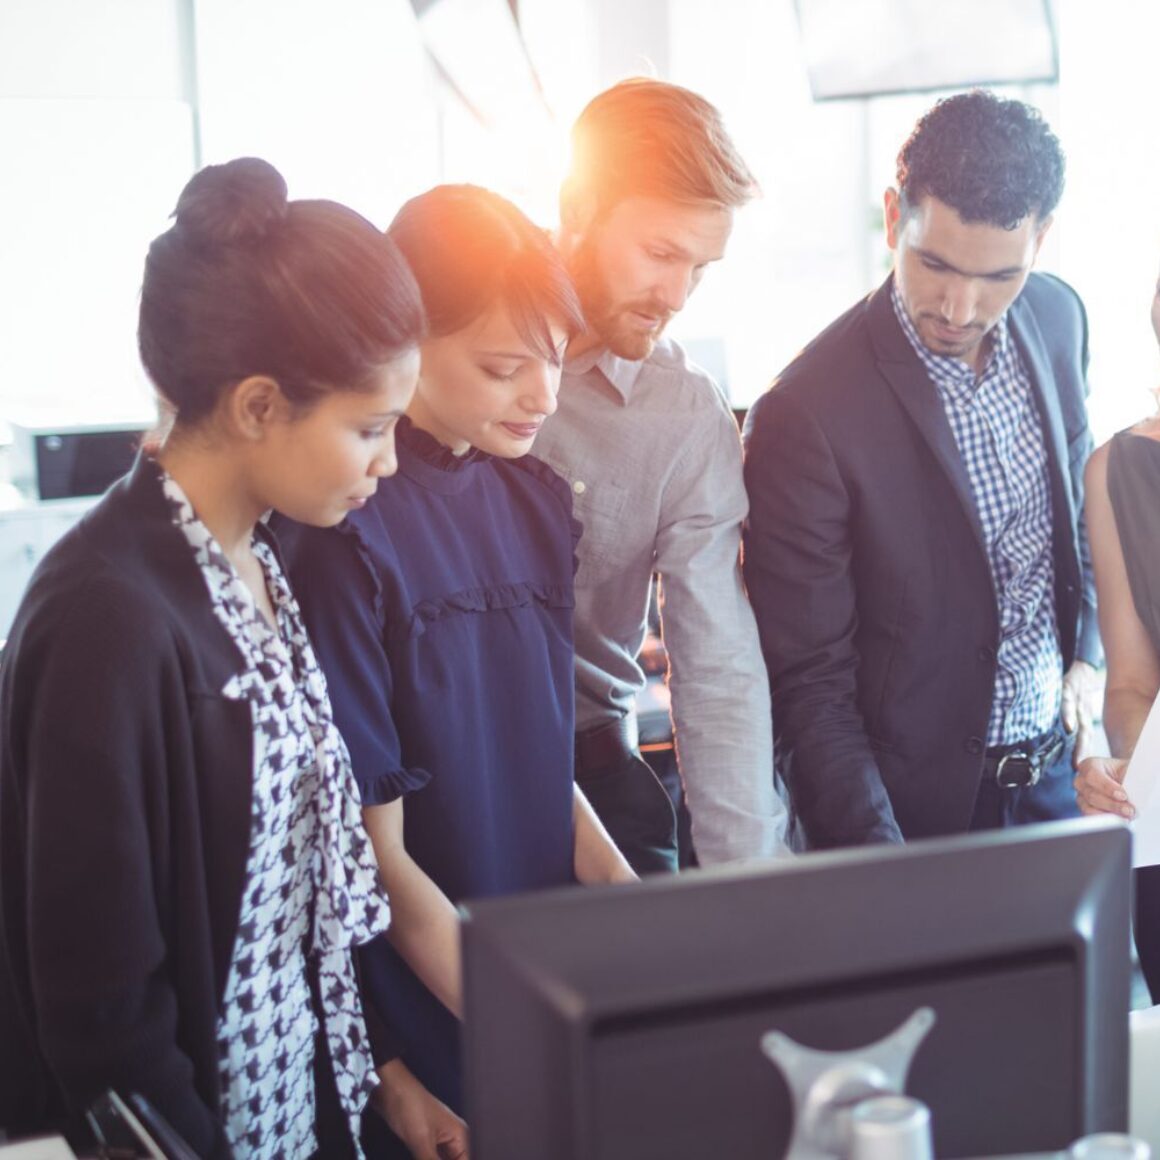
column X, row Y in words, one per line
column 827, row 1086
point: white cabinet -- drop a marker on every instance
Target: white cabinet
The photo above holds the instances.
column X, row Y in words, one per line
column 26, row 533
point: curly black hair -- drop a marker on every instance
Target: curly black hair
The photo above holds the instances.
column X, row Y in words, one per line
column 991, row 160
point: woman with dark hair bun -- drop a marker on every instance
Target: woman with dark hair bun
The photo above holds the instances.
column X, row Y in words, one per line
column 184, row 871
column 442, row 615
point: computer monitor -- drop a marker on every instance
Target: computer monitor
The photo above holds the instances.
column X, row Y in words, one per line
column 619, row 1022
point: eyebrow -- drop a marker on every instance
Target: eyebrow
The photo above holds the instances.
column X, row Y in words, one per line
column 1006, row 271
column 512, row 354
column 663, row 243
column 523, row 355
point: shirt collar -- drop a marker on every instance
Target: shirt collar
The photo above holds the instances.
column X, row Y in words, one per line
column 952, row 373
column 621, row 373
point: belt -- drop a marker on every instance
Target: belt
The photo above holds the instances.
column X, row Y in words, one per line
column 607, row 744
column 1020, row 766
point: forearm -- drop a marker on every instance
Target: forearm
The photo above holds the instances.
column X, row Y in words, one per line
column 1125, row 711
column 595, row 857
column 834, row 781
column 823, row 749
column 87, row 1061
column 105, row 1004
column 720, row 707
column 425, row 931
column 800, row 574
column 427, row 1127
column 725, row 756
column 424, row 924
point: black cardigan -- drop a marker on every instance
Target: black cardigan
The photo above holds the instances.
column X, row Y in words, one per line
column 125, row 784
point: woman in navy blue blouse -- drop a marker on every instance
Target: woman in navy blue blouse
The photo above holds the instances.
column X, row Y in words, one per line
column 442, row 615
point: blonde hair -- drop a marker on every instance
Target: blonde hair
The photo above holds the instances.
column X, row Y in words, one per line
column 649, row 138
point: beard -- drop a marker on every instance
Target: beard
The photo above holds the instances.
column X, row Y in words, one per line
column 610, row 319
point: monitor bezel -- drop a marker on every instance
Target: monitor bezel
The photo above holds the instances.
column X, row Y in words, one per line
column 541, row 971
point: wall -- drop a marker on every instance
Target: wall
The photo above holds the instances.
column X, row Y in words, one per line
column 96, row 138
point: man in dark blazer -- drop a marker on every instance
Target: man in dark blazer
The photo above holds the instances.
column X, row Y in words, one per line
column 915, row 551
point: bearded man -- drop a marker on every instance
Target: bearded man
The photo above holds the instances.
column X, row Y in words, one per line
column 651, row 450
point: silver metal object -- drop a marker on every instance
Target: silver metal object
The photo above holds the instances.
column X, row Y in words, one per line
column 826, row 1086
column 1110, row 1146
column 890, row 1128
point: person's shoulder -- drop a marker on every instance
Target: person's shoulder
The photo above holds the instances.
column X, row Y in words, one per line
column 1043, row 283
column 1095, row 472
column 846, row 339
column 1128, row 448
column 1047, row 294
column 818, row 376
column 670, row 359
column 102, row 606
column 532, row 477
column 103, row 556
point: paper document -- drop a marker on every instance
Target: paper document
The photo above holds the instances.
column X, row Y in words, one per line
column 42, row 1148
column 1140, row 784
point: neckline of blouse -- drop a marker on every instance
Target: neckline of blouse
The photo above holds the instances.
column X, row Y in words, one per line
column 430, row 463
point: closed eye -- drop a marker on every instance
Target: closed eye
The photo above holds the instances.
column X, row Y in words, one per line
column 503, row 376
column 378, row 430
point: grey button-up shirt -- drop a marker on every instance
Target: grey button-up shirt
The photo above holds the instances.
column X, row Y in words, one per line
column 653, row 456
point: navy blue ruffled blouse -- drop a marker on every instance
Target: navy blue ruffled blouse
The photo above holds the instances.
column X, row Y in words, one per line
column 441, row 614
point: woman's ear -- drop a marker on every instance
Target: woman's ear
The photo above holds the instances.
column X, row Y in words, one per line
column 254, row 405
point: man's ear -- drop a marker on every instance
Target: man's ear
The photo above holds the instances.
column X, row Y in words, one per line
column 253, row 406
column 1041, row 233
column 892, row 215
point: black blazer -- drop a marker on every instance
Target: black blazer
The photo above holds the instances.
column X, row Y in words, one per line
column 125, row 782
column 865, row 564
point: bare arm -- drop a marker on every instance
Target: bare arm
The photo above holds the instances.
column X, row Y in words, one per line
column 424, row 924
column 595, row 857
column 1133, row 668
column 429, row 1128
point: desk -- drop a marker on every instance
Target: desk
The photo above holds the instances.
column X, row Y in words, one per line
column 1144, row 1070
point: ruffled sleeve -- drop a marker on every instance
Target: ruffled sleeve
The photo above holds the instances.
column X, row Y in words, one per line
column 340, row 594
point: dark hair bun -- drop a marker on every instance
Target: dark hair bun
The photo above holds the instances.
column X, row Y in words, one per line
column 240, row 201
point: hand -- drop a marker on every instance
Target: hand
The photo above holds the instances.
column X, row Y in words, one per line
column 429, row 1128
column 622, row 872
column 1099, row 788
column 1078, row 706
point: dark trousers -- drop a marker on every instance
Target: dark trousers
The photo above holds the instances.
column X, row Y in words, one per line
column 330, row 1124
column 333, row 1132
column 1146, row 925
column 629, row 799
column 1051, row 798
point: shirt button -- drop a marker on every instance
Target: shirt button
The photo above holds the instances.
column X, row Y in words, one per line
column 974, row 745
column 986, row 655
column 579, row 487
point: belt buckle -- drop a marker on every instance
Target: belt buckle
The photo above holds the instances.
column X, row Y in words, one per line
column 1024, row 771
